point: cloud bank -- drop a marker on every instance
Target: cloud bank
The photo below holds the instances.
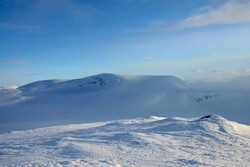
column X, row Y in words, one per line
column 220, row 74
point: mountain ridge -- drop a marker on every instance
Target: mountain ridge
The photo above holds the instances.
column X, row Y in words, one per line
column 108, row 96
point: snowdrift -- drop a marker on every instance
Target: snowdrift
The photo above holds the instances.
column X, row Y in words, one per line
column 154, row 141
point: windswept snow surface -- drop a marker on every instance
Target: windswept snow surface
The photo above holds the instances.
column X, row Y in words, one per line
column 107, row 97
column 155, row 141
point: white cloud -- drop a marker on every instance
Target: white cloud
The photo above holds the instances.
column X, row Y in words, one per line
column 158, row 23
column 221, row 74
column 13, row 61
column 148, row 58
column 138, row 45
column 247, row 70
column 46, row 10
column 11, row 87
column 28, row 28
column 225, row 72
column 206, row 60
column 245, row 57
column 197, row 70
column 232, row 12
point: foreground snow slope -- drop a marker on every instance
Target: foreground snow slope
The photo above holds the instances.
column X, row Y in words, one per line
column 155, row 141
column 109, row 96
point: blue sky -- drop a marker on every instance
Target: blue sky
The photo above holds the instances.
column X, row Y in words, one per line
column 59, row 39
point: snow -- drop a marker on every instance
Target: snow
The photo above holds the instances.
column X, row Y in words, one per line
column 152, row 141
column 125, row 120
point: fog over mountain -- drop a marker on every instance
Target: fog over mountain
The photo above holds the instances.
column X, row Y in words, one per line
column 106, row 97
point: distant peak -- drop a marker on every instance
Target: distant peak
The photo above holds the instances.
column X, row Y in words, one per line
column 109, row 79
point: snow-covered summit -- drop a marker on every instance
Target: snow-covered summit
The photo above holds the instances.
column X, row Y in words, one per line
column 108, row 80
column 101, row 80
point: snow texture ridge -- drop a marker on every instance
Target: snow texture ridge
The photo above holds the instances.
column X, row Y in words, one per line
column 155, row 141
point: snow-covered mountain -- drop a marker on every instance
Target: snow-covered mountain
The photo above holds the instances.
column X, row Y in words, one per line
column 106, row 97
column 210, row 141
column 119, row 129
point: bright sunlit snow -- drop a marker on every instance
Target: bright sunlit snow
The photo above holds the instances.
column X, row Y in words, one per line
column 154, row 141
